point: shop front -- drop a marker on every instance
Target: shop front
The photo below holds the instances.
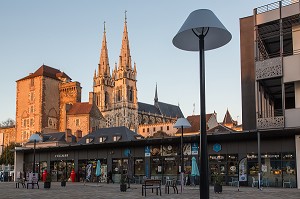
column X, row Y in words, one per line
column 161, row 159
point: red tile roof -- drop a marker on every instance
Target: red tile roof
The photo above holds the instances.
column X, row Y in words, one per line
column 80, row 108
column 47, row 71
column 194, row 120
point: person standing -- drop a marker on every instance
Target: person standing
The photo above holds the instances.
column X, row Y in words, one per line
column 109, row 177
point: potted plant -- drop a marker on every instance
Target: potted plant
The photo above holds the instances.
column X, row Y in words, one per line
column 217, row 180
column 47, row 183
column 63, row 181
column 123, row 185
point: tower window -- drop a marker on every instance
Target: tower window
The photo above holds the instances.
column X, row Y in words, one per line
column 106, row 100
column 119, row 95
column 130, row 95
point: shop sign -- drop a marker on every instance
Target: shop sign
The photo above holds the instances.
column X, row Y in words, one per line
column 194, row 148
column 147, row 151
column 187, row 149
column 217, row 147
column 61, row 155
column 264, row 168
column 216, row 157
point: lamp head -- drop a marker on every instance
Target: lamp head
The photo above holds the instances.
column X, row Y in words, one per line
column 201, row 22
column 35, row 137
column 182, row 122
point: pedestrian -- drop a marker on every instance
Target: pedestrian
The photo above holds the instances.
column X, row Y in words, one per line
column 109, row 177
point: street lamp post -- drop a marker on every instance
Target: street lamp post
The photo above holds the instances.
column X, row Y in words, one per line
column 182, row 123
column 202, row 31
column 34, row 138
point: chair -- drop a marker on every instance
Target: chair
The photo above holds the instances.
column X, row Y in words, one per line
column 286, row 182
column 234, row 181
column 265, row 182
column 171, row 183
column 254, row 182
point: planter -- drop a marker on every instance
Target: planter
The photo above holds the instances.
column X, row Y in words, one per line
column 47, row 185
column 123, row 187
column 218, row 188
column 63, row 183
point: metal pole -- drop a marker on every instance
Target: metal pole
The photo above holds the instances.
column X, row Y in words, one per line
column 33, row 167
column 182, row 163
column 259, row 159
column 204, row 186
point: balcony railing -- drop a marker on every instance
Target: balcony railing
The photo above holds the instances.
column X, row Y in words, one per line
column 270, row 123
column 275, row 5
column 269, row 68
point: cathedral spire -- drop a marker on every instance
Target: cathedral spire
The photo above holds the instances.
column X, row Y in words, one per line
column 156, row 97
column 103, row 66
column 125, row 58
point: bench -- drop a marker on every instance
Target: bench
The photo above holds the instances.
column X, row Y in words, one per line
column 151, row 184
column 20, row 181
column 34, row 182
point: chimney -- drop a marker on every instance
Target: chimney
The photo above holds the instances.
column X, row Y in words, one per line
column 78, row 135
column 91, row 97
column 68, row 135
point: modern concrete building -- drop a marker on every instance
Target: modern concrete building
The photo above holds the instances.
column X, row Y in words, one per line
column 270, row 72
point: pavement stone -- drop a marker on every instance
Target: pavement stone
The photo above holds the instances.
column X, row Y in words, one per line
column 76, row 190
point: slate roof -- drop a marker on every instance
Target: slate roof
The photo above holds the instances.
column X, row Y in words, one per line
column 227, row 118
column 59, row 136
column 221, row 129
column 109, row 133
column 47, row 71
column 161, row 108
column 148, row 108
column 80, row 108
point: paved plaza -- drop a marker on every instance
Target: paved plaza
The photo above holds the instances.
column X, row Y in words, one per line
column 92, row 190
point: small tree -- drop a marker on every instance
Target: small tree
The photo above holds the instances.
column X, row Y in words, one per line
column 7, row 156
column 8, row 123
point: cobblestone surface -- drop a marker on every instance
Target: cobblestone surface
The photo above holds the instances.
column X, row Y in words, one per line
column 112, row 191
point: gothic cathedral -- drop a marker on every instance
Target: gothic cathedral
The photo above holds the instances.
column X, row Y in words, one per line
column 116, row 93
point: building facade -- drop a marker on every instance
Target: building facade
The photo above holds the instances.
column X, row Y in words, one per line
column 270, row 76
column 48, row 101
column 269, row 67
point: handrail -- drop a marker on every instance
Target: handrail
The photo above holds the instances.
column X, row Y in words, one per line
column 275, row 5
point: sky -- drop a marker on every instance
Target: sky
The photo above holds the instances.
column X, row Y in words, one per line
column 67, row 35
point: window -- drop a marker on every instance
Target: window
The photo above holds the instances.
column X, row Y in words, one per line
column 88, row 140
column 153, row 129
column 77, row 122
column 147, row 130
column 143, row 130
column 106, row 100
column 161, row 128
column 119, row 95
column 116, row 138
column 167, row 128
column 31, row 109
column 31, row 122
column 102, row 139
column 130, row 95
column 31, row 82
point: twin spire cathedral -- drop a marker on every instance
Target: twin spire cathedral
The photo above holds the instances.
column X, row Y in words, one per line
column 115, row 94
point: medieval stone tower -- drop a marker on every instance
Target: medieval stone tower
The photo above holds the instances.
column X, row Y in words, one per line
column 116, row 93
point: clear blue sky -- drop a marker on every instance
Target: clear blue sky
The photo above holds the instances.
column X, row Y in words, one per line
column 67, row 35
